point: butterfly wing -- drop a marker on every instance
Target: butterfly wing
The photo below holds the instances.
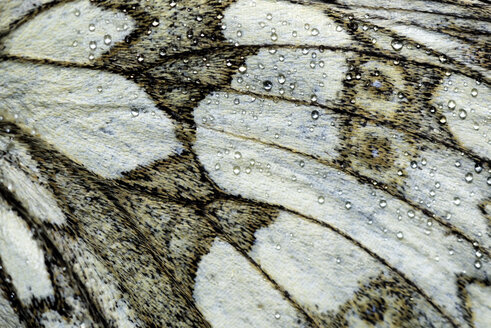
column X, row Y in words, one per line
column 245, row 164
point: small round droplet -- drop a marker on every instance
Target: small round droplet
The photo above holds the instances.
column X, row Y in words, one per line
column 281, row 79
column 410, row 213
column 236, row 170
column 456, row 201
column 348, row 205
column 91, row 27
column 107, row 39
column 469, row 177
column 315, row 114
column 135, row 112
column 277, row 316
column 451, row 104
column 462, row 114
column 267, row 85
column 314, row 32
column 338, row 260
column 92, row 45
column 396, row 44
column 274, row 37
column 474, row 92
column 382, row 203
column 321, row 200
column 237, row 155
column 242, row 69
column 477, row 264
column 399, row 235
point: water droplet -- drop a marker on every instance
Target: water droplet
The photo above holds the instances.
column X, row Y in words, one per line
column 314, row 32
column 99, row 89
column 396, row 44
column 399, row 235
column 74, row 43
column 469, row 177
column 478, row 168
column 77, row 12
column 269, row 16
column 315, row 114
column 92, row 45
column 91, row 27
column 477, row 264
column 281, row 79
column 217, row 166
column 451, row 104
column 267, row 85
column 338, row 260
column 301, row 163
column 462, row 114
column 155, row 22
column 107, row 39
column 277, row 315
column 236, row 170
column 474, row 92
column 274, row 37
column 242, row 69
column 456, row 201
column 410, row 213
column 140, row 58
column 347, row 205
column 321, row 200
column 237, row 155
column 135, row 112
column 382, row 203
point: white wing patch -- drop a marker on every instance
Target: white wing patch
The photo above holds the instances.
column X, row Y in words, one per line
column 480, row 298
column 318, row 267
column 38, row 200
column 75, row 32
column 407, row 239
column 260, row 22
column 22, row 258
column 308, row 74
column 231, row 293
column 467, row 109
column 8, row 318
column 98, row 119
column 11, row 10
column 271, row 121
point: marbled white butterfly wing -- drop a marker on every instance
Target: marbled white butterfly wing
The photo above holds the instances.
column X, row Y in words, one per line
column 250, row 163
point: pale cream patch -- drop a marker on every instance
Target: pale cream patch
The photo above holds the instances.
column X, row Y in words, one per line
column 8, row 318
column 407, row 239
column 449, row 47
column 22, row 258
column 306, row 128
column 264, row 22
column 231, row 293
column 12, row 10
column 318, row 267
column 38, row 200
column 65, row 33
column 480, row 297
column 100, row 284
column 305, row 74
column 466, row 106
column 449, row 185
column 98, row 119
